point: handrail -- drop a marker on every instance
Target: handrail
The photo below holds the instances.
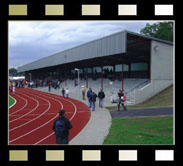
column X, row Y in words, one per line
column 136, row 87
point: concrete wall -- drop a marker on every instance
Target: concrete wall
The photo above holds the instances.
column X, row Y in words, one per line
column 161, row 61
column 162, row 70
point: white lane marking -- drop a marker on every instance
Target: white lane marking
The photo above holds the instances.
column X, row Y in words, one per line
column 34, row 118
column 42, row 124
column 75, row 110
column 22, row 107
column 32, row 110
column 50, row 113
column 13, row 103
column 37, row 114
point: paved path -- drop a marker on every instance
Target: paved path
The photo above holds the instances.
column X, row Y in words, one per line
column 161, row 111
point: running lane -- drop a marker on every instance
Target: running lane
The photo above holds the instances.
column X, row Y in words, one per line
column 20, row 103
column 34, row 125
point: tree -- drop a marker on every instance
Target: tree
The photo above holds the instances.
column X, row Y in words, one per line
column 12, row 72
column 161, row 30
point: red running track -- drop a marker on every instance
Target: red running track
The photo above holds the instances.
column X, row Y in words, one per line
column 32, row 117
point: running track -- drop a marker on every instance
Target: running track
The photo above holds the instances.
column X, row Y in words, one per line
column 32, row 117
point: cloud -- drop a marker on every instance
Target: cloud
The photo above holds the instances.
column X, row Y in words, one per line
column 32, row 40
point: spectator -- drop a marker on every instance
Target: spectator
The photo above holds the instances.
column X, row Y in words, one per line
column 58, row 84
column 123, row 99
column 83, row 92
column 89, row 92
column 63, row 92
column 31, row 84
column 61, row 126
column 119, row 98
column 49, row 86
column 92, row 99
column 13, row 89
column 101, row 96
column 67, row 93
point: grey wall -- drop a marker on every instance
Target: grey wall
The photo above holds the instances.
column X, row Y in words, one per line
column 161, row 61
column 162, row 70
column 113, row 44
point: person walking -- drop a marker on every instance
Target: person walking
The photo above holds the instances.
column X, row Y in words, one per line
column 123, row 99
column 63, row 92
column 83, row 92
column 13, row 89
column 89, row 92
column 31, row 84
column 119, row 98
column 101, row 96
column 93, row 97
column 61, row 127
column 67, row 93
column 49, row 86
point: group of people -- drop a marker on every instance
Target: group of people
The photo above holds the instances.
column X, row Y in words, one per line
column 65, row 93
column 13, row 84
column 91, row 95
column 101, row 95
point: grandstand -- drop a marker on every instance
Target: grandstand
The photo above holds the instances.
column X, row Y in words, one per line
column 129, row 86
column 139, row 65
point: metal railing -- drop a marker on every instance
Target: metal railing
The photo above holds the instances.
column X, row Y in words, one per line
column 138, row 86
column 131, row 98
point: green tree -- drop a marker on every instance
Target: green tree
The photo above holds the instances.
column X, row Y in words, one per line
column 12, row 72
column 161, row 30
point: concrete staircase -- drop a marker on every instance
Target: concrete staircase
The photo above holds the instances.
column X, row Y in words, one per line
column 130, row 85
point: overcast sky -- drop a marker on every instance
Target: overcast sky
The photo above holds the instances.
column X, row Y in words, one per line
column 32, row 40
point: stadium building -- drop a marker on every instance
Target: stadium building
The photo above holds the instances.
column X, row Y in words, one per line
column 118, row 57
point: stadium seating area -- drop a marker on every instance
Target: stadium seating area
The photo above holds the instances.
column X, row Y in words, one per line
column 109, row 87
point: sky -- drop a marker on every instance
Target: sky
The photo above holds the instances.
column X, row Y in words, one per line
column 33, row 40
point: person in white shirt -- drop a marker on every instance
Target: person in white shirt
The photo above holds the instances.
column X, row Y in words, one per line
column 13, row 89
column 67, row 92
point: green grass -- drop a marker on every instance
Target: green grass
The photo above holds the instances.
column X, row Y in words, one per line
column 164, row 98
column 148, row 130
column 11, row 101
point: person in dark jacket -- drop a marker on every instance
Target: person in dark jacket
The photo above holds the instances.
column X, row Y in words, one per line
column 121, row 96
column 119, row 100
column 64, row 138
column 63, row 92
column 49, row 86
column 89, row 92
column 123, row 99
column 101, row 96
column 92, row 99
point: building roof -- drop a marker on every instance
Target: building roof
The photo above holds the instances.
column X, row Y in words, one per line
column 113, row 44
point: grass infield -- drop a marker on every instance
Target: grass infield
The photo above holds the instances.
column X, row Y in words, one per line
column 11, row 101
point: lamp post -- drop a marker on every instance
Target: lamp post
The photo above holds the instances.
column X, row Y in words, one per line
column 30, row 77
column 30, row 84
column 76, row 69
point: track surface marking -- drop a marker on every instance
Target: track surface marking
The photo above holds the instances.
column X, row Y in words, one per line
column 32, row 117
